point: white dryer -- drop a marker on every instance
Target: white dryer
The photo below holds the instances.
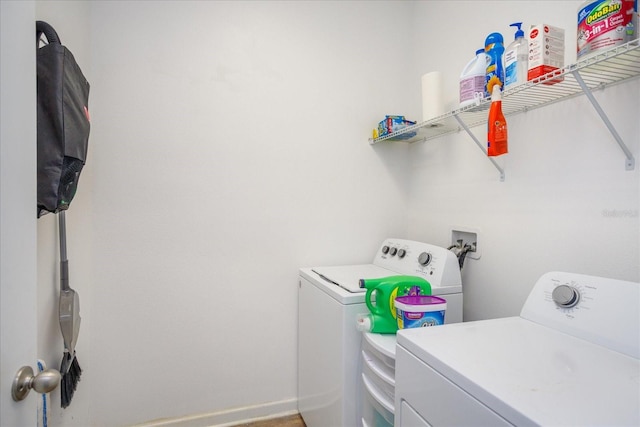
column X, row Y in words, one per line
column 329, row 345
column 570, row 358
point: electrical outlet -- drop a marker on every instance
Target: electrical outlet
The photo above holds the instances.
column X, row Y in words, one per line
column 466, row 236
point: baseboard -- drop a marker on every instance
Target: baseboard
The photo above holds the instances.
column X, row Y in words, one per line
column 230, row 417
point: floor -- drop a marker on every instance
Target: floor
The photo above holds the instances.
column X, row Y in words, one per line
column 290, row 421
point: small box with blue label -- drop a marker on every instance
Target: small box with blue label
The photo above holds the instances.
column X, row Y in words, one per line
column 392, row 124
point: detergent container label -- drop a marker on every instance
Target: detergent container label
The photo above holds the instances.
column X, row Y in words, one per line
column 420, row 311
column 495, row 70
column 605, row 24
column 510, row 70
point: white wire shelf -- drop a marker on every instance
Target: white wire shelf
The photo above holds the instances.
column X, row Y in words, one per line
column 596, row 72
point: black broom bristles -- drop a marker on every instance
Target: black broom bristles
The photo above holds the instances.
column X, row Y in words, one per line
column 70, row 379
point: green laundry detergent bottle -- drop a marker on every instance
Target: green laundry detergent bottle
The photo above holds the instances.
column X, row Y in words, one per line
column 382, row 318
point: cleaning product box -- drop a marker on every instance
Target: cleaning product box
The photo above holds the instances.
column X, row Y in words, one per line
column 546, row 51
column 392, row 124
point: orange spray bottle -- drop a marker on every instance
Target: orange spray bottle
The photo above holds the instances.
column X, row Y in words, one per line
column 496, row 125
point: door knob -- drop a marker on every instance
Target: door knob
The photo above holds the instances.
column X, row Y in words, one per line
column 24, row 381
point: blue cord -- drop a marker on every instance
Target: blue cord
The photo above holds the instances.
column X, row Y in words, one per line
column 44, row 399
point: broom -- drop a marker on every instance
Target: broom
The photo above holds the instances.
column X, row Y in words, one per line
column 69, row 314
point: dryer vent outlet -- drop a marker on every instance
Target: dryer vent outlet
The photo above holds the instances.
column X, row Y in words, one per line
column 462, row 237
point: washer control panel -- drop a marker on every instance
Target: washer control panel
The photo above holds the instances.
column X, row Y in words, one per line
column 435, row 264
column 600, row 310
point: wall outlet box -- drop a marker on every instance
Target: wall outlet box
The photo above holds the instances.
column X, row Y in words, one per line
column 468, row 236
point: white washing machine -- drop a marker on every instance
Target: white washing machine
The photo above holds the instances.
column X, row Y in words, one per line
column 330, row 356
column 570, row 359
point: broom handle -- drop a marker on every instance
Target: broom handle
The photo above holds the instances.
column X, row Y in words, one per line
column 64, row 262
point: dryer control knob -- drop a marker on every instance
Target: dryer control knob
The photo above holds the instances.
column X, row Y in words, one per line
column 424, row 259
column 393, row 251
column 565, row 296
column 401, row 253
column 385, row 249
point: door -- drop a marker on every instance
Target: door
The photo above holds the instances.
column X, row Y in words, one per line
column 18, row 235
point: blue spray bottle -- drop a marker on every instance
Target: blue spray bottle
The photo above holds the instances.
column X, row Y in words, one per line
column 494, row 48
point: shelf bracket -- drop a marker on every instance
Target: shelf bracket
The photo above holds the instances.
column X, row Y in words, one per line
column 630, row 162
column 480, row 146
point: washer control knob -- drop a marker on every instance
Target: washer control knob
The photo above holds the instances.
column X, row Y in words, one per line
column 401, row 253
column 565, row 296
column 393, row 251
column 385, row 249
column 424, row 259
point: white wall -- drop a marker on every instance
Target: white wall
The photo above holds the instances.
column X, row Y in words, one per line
column 229, row 144
column 567, row 203
column 229, row 148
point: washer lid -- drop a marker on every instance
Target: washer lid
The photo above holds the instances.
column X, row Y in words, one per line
column 531, row 374
column 348, row 276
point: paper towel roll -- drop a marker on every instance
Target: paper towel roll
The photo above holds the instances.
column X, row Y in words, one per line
column 432, row 98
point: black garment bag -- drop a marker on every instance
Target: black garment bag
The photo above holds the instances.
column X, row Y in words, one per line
column 63, row 122
column 63, row 136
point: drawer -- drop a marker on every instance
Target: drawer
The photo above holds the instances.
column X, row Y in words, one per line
column 378, row 376
column 377, row 409
column 385, row 362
